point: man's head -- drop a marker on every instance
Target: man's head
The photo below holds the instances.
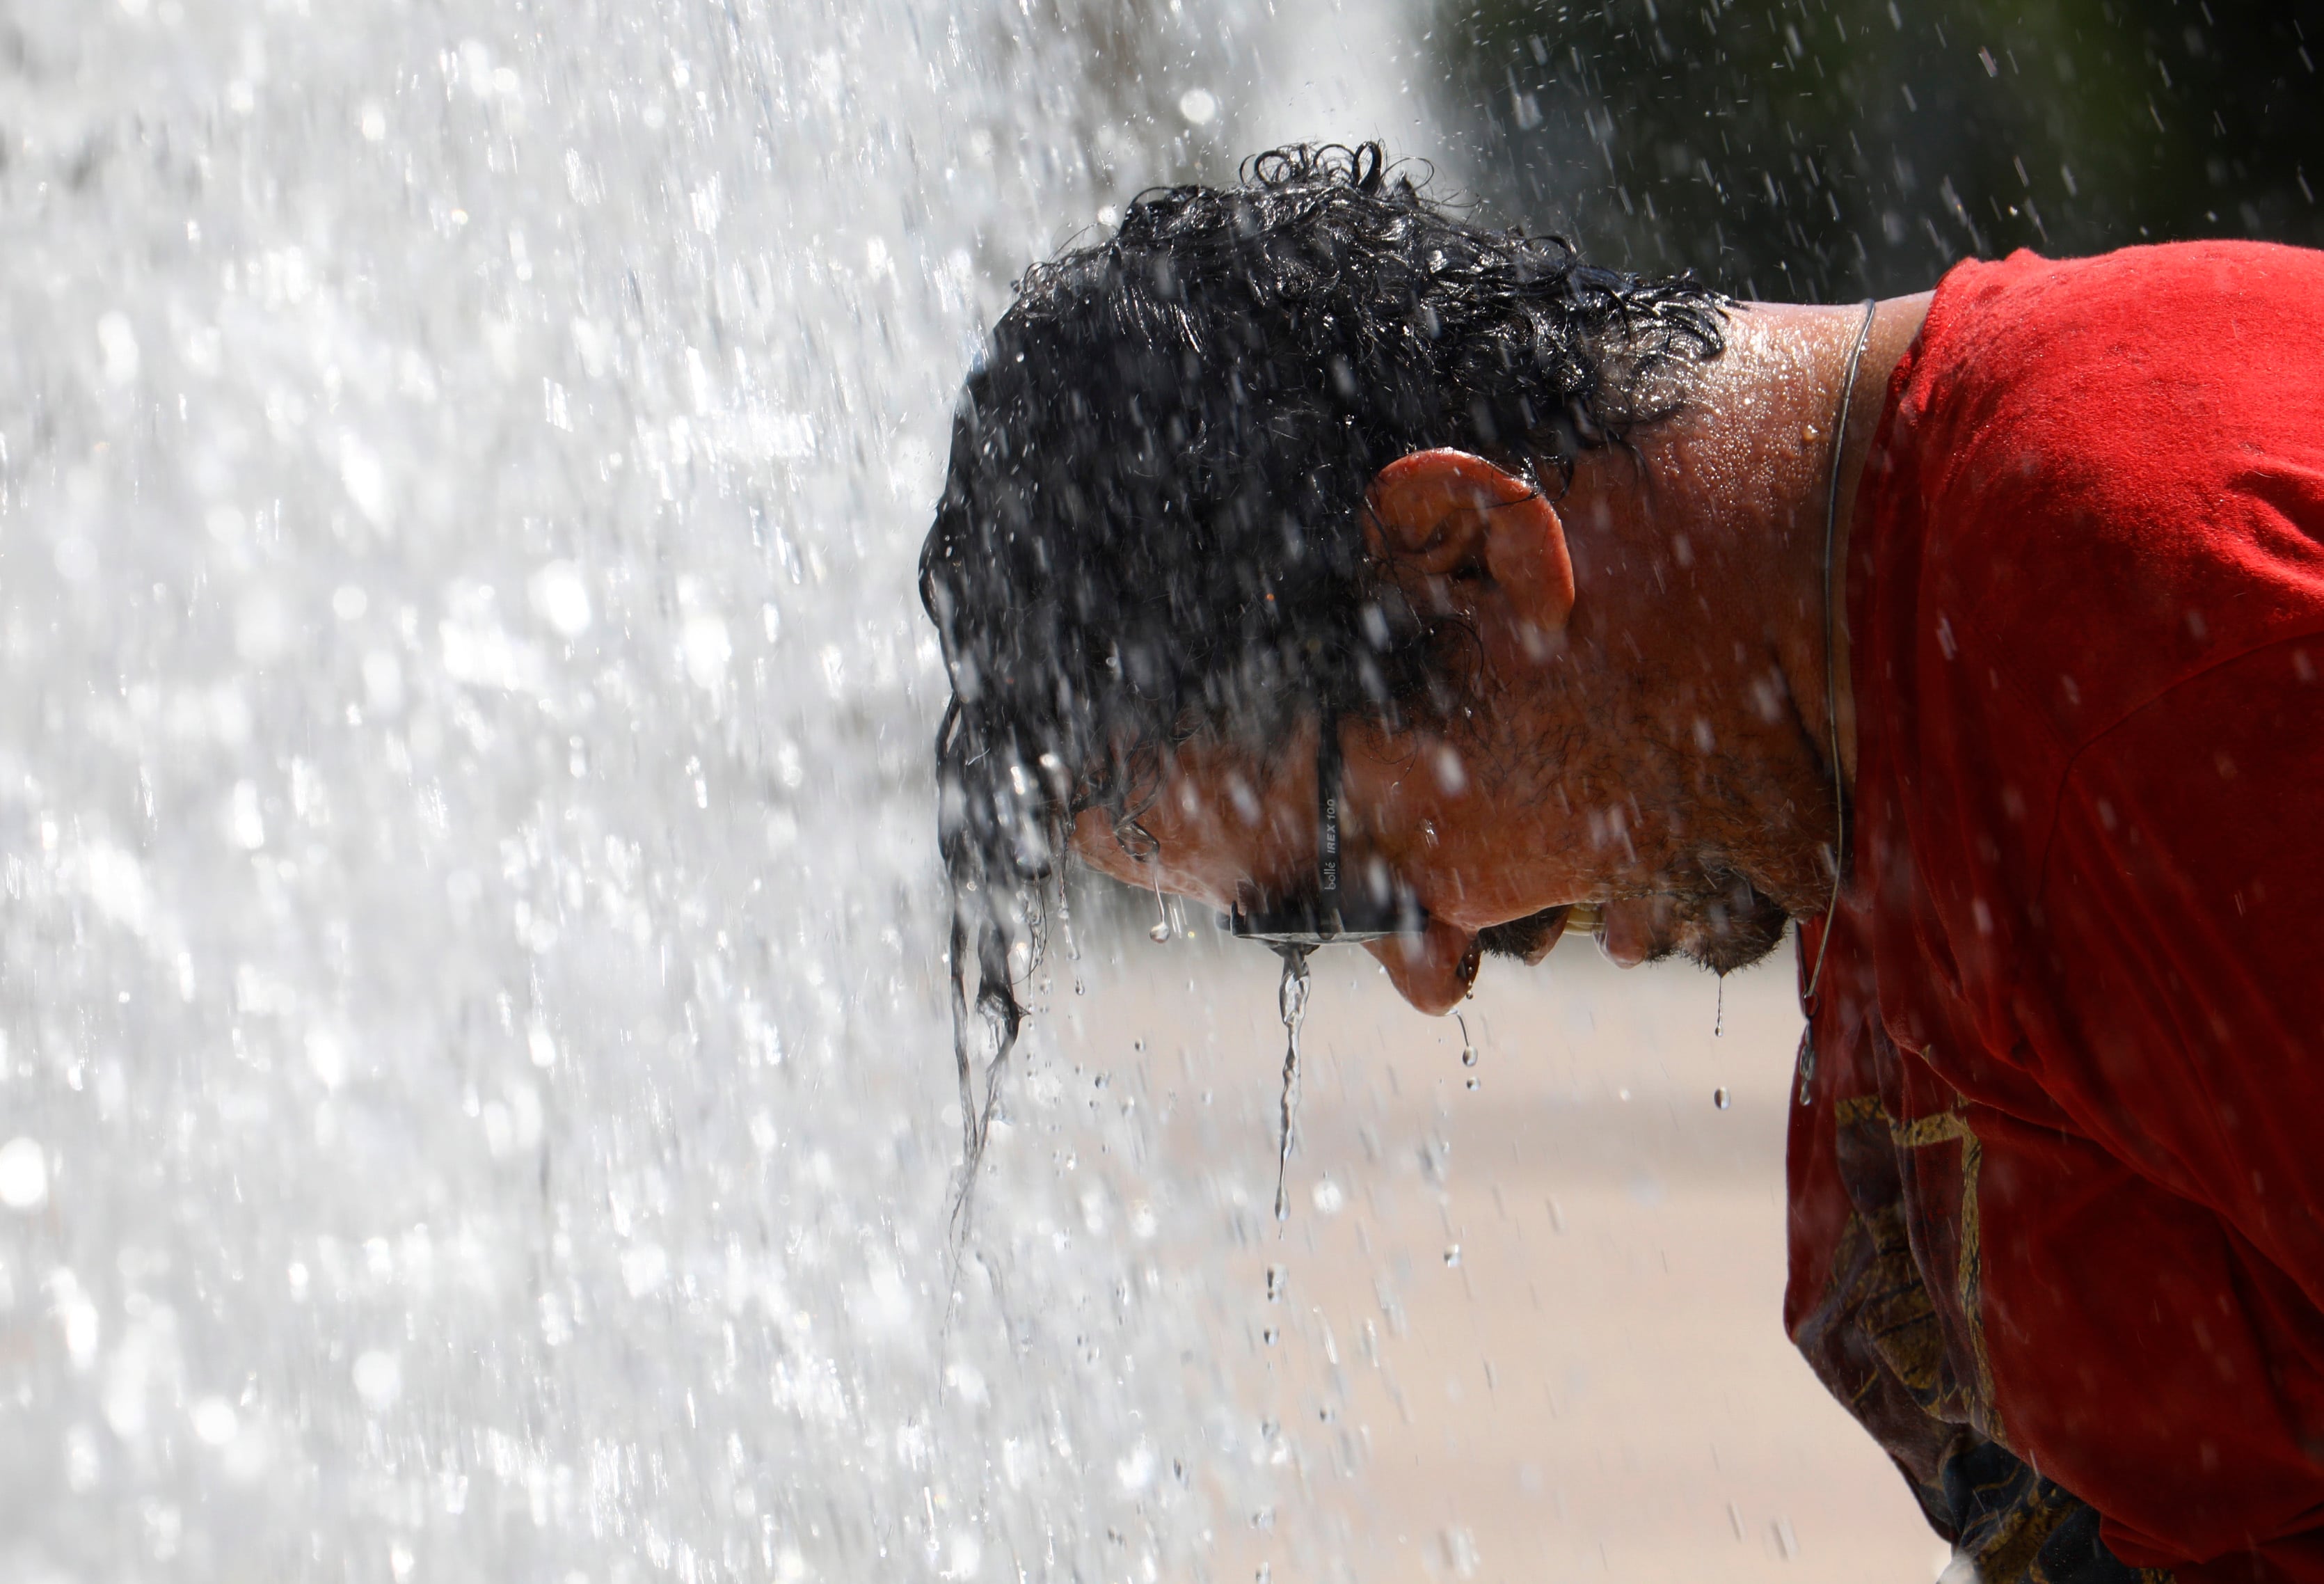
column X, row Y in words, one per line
column 1558, row 781
column 1154, row 530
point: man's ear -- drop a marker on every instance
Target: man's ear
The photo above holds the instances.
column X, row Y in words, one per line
column 1437, row 516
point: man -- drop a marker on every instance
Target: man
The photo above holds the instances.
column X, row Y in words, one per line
column 1979, row 632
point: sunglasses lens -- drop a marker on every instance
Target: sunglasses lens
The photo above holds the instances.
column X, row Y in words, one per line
column 1312, row 923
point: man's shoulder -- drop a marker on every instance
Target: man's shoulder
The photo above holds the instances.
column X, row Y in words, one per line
column 2112, row 471
column 2192, row 305
column 2132, row 369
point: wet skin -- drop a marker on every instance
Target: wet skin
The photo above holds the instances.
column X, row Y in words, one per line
column 1650, row 725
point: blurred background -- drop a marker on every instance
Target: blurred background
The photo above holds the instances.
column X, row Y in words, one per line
column 1816, row 150
column 474, row 1097
column 1827, row 151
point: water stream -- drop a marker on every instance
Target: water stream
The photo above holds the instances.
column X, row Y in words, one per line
column 1291, row 999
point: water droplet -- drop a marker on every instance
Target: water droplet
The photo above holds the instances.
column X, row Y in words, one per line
column 1472, row 1080
column 215, row 1421
column 1468, row 1055
column 379, row 1380
column 1269, row 1335
column 1719, row 1099
column 24, row 1174
column 1276, row 1276
column 1159, row 932
column 1451, row 1255
column 1468, row 1046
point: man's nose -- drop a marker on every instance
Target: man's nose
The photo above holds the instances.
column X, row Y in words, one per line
column 1632, row 931
column 1433, row 969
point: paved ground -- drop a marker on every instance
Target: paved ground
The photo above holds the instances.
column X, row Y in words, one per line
column 1526, row 1332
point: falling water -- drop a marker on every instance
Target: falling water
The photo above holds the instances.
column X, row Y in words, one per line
column 472, row 1072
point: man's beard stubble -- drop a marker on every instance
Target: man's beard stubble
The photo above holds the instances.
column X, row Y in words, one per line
column 1728, row 927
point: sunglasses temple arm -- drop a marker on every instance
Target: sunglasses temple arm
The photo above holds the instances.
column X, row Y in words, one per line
column 1327, row 814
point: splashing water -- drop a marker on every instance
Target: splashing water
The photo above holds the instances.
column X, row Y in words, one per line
column 1291, row 999
column 471, row 1030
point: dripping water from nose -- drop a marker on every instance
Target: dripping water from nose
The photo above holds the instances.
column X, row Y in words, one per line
column 1291, row 998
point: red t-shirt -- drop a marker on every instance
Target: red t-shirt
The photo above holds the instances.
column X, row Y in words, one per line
column 2057, row 1182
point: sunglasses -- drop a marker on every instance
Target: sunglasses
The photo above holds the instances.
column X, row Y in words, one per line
column 1329, row 912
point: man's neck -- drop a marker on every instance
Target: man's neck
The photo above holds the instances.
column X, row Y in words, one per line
column 1700, row 566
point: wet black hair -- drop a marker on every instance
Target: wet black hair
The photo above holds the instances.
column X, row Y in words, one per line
column 1151, row 525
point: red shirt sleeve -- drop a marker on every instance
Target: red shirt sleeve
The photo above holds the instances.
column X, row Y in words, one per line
column 2088, row 590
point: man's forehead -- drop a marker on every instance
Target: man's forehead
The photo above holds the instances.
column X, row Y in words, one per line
column 1202, row 793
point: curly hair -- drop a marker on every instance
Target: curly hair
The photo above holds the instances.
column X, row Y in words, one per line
column 1151, row 525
